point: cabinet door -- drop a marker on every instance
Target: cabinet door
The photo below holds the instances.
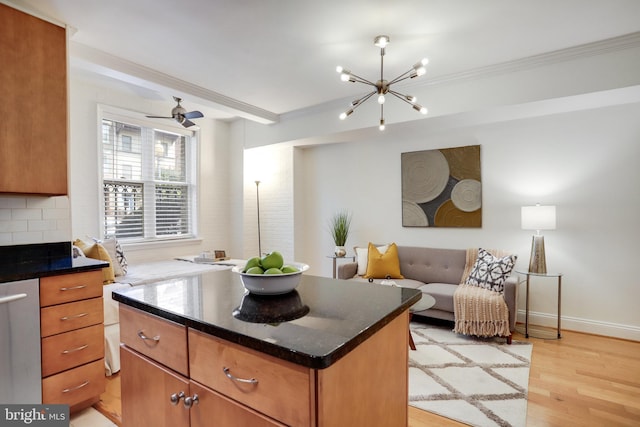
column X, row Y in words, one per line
column 146, row 389
column 215, row 410
column 33, row 105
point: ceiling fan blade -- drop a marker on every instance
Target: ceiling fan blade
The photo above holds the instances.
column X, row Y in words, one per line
column 193, row 115
column 159, row 117
column 187, row 123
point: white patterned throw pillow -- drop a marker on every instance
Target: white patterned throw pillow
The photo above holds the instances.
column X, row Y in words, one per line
column 491, row 272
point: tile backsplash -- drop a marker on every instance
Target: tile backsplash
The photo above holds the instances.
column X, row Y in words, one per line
column 34, row 219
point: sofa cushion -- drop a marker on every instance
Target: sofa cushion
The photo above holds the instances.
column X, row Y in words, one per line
column 443, row 294
column 381, row 265
column 432, row 265
column 362, row 257
column 97, row 251
column 490, row 272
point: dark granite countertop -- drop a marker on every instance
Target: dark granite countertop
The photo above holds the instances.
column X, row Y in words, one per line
column 314, row 326
column 22, row 262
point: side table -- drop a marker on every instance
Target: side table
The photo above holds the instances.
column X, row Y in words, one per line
column 335, row 260
column 526, row 322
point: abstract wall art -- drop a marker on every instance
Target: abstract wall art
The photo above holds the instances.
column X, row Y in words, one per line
column 442, row 188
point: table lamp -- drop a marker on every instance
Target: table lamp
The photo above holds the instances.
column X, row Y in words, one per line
column 538, row 218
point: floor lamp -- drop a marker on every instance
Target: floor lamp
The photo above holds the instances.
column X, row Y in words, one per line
column 538, row 218
column 258, row 205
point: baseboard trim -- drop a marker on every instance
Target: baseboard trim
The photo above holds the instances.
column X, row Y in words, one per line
column 577, row 324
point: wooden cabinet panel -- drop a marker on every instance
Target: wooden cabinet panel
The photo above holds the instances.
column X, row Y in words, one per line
column 75, row 385
column 165, row 341
column 65, row 351
column 283, row 390
column 347, row 388
column 216, row 410
column 33, row 90
column 73, row 315
column 146, row 389
column 70, row 287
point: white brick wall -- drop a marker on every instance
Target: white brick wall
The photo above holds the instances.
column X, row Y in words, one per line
column 273, row 167
column 33, row 219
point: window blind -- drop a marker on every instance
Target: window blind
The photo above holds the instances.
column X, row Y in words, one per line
column 147, row 183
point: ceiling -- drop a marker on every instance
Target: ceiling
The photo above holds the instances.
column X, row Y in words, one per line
column 270, row 57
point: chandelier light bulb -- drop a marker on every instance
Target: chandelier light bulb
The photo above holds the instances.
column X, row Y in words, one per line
column 381, row 99
column 345, row 76
column 412, row 99
column 381, row 41
column 420, row 109
column 339, row 69
column 381, row 127
column 346, row 114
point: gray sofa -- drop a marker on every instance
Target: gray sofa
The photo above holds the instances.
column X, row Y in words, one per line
column 436, row 272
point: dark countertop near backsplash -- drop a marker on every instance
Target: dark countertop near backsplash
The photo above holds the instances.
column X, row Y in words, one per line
column 314, row 326
column 22, row 262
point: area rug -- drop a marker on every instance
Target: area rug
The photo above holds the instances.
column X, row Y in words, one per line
column 476, row 381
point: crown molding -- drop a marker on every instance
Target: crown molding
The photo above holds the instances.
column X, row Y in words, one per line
column 615, row 44
column 112, row 66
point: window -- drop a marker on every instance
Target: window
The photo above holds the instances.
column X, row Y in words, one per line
column 148, row 177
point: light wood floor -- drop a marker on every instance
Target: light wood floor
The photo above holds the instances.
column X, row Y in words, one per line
column 581, row 380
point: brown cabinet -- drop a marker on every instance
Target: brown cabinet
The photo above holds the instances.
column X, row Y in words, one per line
column 33, row 107
column 230, row 385
column 72, row 331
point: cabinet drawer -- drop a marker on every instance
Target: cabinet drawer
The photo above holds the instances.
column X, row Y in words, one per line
column 160, row 339
column 76, row 385
column 73, row 315
column 283, row 390
column 75, row 348
column 70, row 287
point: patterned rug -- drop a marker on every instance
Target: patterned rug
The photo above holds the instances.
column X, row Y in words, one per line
column 480, row 382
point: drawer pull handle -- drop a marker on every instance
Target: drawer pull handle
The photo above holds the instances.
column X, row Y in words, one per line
column 146, row 338
column 240, row 380
column 175, row 397
column 73, row 288
column 73, row 350
column 190, row 401
column 67, row 390
column 75, row 316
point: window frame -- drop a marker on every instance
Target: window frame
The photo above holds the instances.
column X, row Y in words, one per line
column 192, row 175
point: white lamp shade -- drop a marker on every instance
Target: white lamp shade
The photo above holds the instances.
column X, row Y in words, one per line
column 538, row 217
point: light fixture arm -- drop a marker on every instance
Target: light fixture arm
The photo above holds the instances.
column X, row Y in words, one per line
column 383, row 86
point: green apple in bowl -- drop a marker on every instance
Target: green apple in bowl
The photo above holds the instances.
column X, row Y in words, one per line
column 272, row 260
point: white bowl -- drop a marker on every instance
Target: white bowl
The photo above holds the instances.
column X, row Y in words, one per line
column 271, row 284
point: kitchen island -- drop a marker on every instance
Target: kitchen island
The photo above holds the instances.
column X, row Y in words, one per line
column 200, row 349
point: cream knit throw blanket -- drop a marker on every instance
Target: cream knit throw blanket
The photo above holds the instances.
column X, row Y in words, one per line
column 478, row 311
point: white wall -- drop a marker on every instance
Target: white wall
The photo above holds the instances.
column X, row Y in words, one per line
column 583, row 162
column 85, row 189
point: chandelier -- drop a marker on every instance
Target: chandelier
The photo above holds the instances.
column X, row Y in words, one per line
column 382, row 86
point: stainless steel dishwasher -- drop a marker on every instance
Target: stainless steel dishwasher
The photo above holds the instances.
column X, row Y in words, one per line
column 20, row 368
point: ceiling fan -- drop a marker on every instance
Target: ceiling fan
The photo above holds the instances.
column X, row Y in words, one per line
column 180, row 114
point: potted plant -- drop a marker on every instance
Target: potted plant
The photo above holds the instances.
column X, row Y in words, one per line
column 340, row 223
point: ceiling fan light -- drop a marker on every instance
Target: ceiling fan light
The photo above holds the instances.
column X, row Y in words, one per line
column 381, row 41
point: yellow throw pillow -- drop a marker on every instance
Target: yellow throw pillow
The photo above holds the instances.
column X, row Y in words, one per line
column 97, row 251
column 379, row 266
